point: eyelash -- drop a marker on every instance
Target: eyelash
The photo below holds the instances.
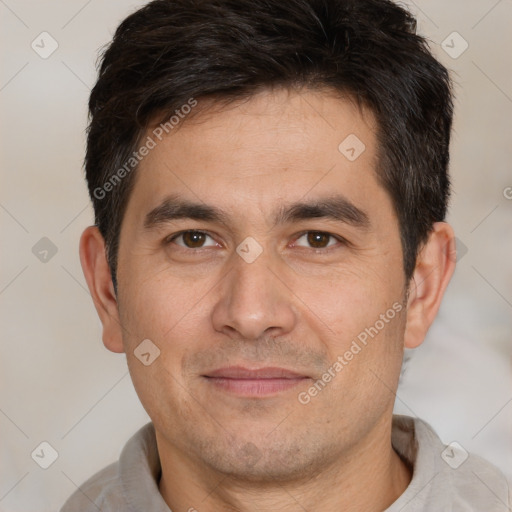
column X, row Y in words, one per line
column 340, row 239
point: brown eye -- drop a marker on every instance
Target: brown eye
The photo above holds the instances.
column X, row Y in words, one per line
column 318, row 239
column 193, row 239
column 190, row 239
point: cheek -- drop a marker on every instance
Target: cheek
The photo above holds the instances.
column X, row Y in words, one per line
column 161, row 311
column 366, row 355
column 343, row 303
column 157, row 304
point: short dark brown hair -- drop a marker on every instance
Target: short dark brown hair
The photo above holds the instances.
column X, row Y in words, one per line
column 170, row 51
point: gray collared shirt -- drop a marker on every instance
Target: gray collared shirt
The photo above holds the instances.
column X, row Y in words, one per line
column 443, row 478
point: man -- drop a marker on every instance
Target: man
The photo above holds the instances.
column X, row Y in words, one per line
column 270, row 186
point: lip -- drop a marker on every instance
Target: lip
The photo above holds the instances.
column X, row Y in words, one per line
column 254, row 382
column 240, row 372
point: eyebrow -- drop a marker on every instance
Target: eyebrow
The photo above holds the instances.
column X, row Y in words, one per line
column 335, row 207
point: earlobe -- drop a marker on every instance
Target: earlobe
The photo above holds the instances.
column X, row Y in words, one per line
column 434, row 268
column 99, row 280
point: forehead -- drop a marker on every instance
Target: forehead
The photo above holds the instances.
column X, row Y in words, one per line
column 276, row 146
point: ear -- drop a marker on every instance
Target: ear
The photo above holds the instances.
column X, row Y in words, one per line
column 99, row 280
column 434, row 268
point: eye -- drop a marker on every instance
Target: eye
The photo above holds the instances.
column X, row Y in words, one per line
column 190, row 239
column 319, row 239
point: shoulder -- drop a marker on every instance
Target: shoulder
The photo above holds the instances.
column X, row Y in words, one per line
column 478, row 484
column 122, row 484
column 448, row 473
column 102, row 490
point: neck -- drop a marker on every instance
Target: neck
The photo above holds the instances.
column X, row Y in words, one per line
column 370, row 477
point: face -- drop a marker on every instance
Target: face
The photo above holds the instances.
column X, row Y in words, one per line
column 290, row 263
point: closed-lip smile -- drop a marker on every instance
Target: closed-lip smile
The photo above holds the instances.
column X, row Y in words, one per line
column 254, row 382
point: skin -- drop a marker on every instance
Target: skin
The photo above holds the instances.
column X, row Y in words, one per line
column 297, row 306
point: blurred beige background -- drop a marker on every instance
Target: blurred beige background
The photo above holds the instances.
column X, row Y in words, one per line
column 61, row 386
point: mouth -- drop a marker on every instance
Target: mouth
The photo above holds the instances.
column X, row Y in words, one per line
column 254, row 382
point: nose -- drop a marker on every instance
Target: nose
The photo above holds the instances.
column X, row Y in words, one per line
column 254, row 301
